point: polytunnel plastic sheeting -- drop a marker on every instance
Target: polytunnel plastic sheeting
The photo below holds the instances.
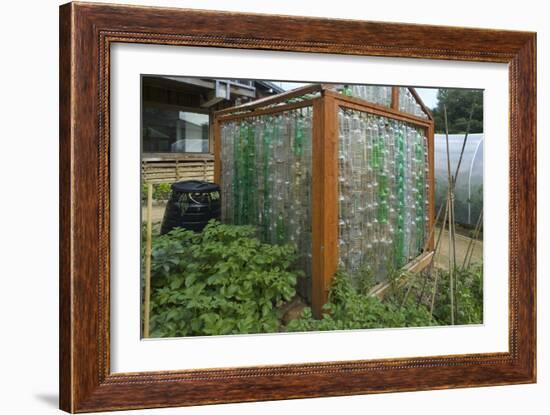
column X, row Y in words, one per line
column 469, row 182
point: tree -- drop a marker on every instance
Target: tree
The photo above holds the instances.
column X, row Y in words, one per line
column 459, row 103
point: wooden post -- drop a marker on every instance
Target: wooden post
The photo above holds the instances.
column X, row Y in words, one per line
column 395, row 98
column 450, row 197
column 431, row 183
column 148, row 243
column 217, row 151
column 324, row 205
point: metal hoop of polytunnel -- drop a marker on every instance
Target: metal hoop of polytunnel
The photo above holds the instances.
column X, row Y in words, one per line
column 345, row 175
column 468, row 188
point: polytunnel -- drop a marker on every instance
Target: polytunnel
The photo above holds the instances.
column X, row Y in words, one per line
column 469, row 181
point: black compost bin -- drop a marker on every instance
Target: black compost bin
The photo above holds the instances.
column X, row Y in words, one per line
column 192, row 204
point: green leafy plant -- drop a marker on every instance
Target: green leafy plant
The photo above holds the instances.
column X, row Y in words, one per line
column 348, row 308
column 225, row 281
column 458, row 103
column 161, row 191
column 365, row 279
column 220, row 281
column 468, row 296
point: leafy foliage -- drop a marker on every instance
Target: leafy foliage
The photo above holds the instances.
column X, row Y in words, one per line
column 161, row 191
column 365, row 279
column 352, row 308
column 459, row 103
column 220, row 281
column 348, row 308
column 225, row 281
column 468, row 296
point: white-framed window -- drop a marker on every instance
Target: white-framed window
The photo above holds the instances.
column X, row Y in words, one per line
column 169, row 129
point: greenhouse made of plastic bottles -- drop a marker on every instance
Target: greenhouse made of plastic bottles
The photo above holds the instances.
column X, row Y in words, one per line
column 343, row 173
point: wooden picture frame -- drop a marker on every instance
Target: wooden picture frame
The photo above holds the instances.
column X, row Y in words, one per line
column 86, row 33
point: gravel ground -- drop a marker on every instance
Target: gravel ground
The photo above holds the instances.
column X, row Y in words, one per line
column 461, row 243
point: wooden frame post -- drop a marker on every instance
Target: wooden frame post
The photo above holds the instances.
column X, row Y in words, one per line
column 147, row 265
column 324, row 204
column 395, row 98
column 217, row 150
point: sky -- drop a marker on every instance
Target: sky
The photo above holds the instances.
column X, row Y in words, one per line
column 429, row 96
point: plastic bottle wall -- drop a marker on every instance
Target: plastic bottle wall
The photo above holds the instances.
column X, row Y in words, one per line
column 383, row 190
column 408, row 103
column 376, row 94
column 266, row 177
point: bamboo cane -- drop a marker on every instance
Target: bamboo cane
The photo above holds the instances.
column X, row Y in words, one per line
column 473, row 239
column 452, row 223
column 148, row 243
column 454, row 178
column 450, row 190
column 432, row 229
column 430, row 273
column 465, row 139
column 409, row 289
column 476, row 235
column 471, row 242
column 450, row 198
column 451, row 268
column 436, row 248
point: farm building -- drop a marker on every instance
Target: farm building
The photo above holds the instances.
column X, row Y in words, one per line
column 177, row 115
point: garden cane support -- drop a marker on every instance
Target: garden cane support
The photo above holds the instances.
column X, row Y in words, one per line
column 147, row 293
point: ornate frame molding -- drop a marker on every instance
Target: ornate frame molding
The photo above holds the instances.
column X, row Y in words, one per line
column 86, row 33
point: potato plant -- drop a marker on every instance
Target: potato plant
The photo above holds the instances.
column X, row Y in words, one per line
column 220, row 281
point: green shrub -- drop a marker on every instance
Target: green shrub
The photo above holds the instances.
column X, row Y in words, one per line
column 468, row 296
column 221, row 281
column 161, row 191
column 348, row 308
column 225, row 281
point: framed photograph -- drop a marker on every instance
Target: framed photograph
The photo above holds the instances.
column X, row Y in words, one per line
column 260, row 207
